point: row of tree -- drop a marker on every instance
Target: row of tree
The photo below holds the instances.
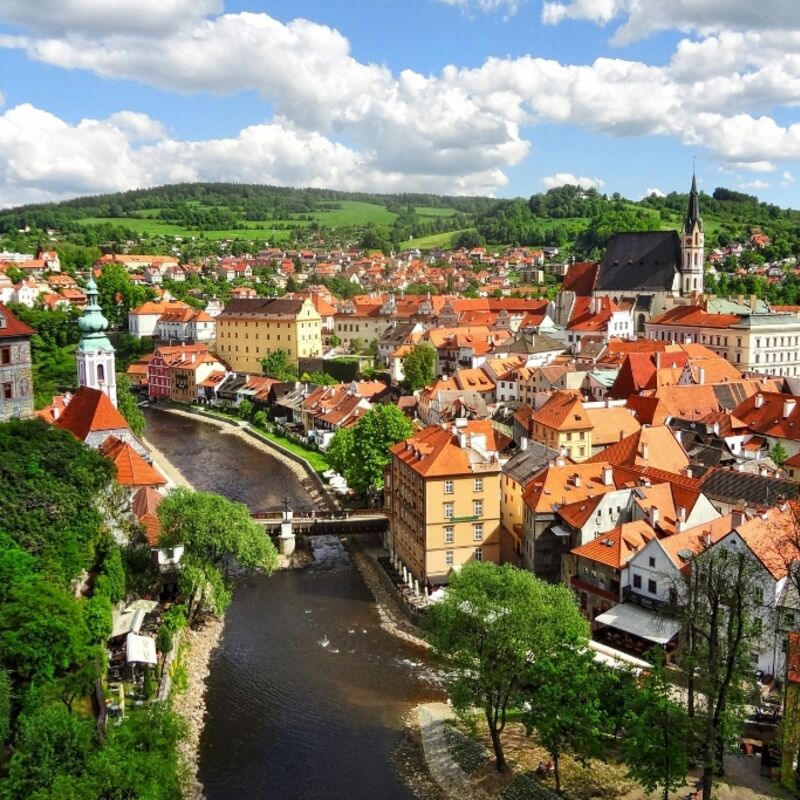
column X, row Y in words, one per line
column 513, row 645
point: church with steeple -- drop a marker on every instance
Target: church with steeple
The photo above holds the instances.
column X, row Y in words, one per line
column 96, row 362
column 693, row 246
column 647, row 272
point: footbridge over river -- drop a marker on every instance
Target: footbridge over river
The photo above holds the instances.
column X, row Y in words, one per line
column 316, row 523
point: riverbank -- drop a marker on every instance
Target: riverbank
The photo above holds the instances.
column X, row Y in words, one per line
column 321, row 501
column 392, row 616
column 199, row 645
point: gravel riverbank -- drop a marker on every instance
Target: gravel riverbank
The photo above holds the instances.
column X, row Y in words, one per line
column 190, row 703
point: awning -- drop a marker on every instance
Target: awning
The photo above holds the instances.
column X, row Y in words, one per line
column 641, row 622
column 127, row 622
column 140, row 650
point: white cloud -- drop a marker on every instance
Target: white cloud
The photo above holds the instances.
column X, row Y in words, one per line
column 653, row 191
column 756, row 184
column 788, row 179
column 106, row 16
column 137, row 126
column 459, row 128
column 509, row 7
column 643, row 17
column 43, row 157
column 564, row 178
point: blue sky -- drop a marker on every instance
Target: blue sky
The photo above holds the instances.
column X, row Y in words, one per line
column 507, row 97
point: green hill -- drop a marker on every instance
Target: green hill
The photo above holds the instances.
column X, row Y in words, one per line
column 576, row 220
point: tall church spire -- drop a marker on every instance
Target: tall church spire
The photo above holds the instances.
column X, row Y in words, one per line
column 692, row 246
column 96, row 363
column 693, row 213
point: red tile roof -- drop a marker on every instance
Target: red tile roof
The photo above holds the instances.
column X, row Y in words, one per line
column 615, row 548
column 90, row 410
column 132, row 469
column 13, row 326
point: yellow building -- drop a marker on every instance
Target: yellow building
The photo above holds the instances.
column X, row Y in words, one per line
column 563, row 424
column 249, row 330
column 444, row 490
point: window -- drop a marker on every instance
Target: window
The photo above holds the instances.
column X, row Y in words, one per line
column 449, row 536
column 448, row 487
column 651, row 561
column 652, row 586
column 448, row 511
column 477, row 532
column 757, row 626
column 479, row 554
column 758, row 594
column 477, row 508
column 478, row 484
column 637, row 581
column 448, row 558
column 5, row 355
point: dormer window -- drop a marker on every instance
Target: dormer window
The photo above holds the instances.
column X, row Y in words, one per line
column 3, row 322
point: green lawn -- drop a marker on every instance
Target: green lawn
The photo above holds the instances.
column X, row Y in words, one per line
column 434, row 240
column 317, row 460
column 353, row 212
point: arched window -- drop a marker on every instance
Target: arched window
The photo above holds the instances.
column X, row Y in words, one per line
column 101, row 373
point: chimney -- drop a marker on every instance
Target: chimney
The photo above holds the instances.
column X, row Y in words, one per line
column 523, row 444
column 753, row 303
column 653, row 516
column 645, row 451
column 738, row 516
column 763, row 471
column 701, row 375
column 576, row 479
column 788, row 406
column 707, row 538
column 740, row 299
column 681, row 513
column 561, row 458
column 759, row 400
column 608, row 476
column 56, row 412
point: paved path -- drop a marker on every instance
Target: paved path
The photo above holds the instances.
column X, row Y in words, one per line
column 744, row 782
column 451, row 779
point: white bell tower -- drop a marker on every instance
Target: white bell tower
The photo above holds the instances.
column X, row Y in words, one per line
column 692, row 246
column 96, row 362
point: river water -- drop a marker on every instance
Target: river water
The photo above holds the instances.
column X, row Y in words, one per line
column 307, row 692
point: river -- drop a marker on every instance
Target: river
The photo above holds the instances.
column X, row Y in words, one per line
column 307, row 692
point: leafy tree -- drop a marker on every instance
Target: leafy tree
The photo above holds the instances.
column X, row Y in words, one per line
column 51, row 741
column 419, row 366
column 778, row 454
column 164, row 640
column 367, row 444
column 215, row 532
column 340, row 452
column 657, row 734
column 566, row 712
column 5, row 706
column 260, row 419
column 111, row 579
column 49, row 483
column 279, row 366
column 42, row 630
column 118, row 294
column 492, row 626
column 334, row 340
column 98, row 613
column 318, row 378
column 127, row 405
column 245, row 409
column 721, row 629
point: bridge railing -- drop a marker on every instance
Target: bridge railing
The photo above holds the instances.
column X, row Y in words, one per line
column 312, row 515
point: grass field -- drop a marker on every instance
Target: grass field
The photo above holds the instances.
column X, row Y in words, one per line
column 434, row 240
column 353, row 212
column 153, row 227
